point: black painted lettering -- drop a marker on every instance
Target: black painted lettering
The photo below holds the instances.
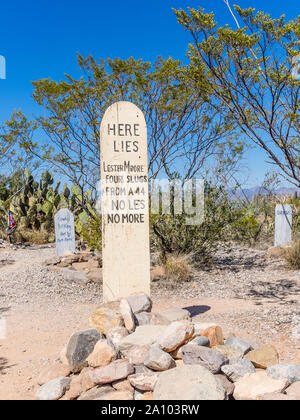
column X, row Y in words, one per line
column 124, row 218
column 110, row 218
column 128, row 148
column 135, row 146
column 121, row 129
column 128, row 130
column 113, row 129
column 115, row 147
column 136, row 129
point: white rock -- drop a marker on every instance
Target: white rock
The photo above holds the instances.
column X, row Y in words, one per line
column 127, row 314
column 239, row 344
column 285, row 371
column 140, row 302
column 53, row 390
column 188, row 383
column 158, row 360
column 115, row 335
column 236, row 371
column 144, row 335
column 175, row 335
column 176, row 314
column 137, row 355
column 143, row 381
column 253, row 385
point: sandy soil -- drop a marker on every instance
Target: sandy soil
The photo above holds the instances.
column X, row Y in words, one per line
column 39, row 321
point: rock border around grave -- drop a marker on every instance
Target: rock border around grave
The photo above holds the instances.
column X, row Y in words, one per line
column 176, row 361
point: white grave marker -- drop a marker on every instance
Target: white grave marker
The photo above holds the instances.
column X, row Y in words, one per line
column 125, row 207
column 283, row 224
column 64, row 231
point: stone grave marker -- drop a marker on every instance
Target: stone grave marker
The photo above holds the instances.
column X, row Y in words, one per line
column 64, row 231
column 283, row 224
column 124, row 202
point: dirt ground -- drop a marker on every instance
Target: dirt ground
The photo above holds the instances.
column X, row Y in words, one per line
column 246, row 294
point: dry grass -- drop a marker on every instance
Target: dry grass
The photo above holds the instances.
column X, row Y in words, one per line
column 292, row 256
column 178, row 268
column 37, row 237
column 157, row 273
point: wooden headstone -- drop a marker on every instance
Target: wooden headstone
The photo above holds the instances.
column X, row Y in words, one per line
column 64, row 231
column 124, row 202
column 283, row 224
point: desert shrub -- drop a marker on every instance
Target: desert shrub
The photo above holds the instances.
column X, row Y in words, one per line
column 178, row 268
column 245, row 228
column 38, row 237
column 292, row 256
column 227, row 219
column 91, row 233
column 254, row 219
column 170, row 234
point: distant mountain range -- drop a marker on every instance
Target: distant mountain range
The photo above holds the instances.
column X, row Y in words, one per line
column 251, row 192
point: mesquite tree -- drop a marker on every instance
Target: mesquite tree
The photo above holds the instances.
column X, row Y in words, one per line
column 252, row 71
column 185, row 129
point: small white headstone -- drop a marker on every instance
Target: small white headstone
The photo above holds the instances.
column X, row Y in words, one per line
column 64, row 231
column 125, row 206
column 283, row 224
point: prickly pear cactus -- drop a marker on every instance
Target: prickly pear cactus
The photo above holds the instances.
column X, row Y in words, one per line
column 35, row 206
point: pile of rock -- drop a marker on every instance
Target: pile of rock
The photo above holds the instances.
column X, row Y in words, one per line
column 131, row 353
column 84, row 266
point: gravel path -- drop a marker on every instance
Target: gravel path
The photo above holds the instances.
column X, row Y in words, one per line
column 237, row 273
column 247, row 275
column 245, row 293
column 24, row 280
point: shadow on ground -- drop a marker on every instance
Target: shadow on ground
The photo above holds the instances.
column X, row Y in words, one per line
column 197, row 309
column 3, row 310
column 3, row 365
column 239, row 262
column 280, row 291
column 3, row 263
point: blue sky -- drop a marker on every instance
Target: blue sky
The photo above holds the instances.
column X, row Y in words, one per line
column 40, row 39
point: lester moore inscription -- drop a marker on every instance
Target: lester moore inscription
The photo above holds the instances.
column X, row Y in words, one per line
column 124, row 201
